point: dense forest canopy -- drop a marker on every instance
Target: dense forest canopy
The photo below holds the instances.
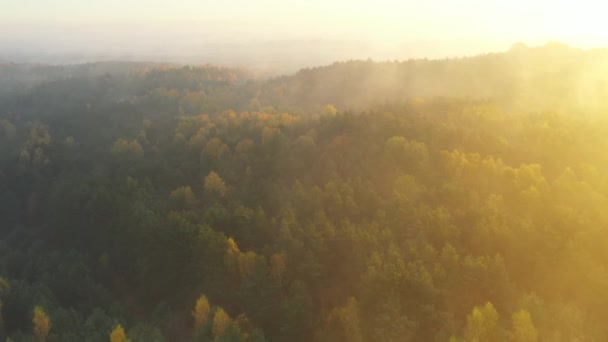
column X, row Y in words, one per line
column 424, row 200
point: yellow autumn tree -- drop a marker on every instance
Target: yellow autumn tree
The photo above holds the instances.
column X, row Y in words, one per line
column 523, row 327
column 482, row 324
column 201, row 312
column 183, row 196
column 42, row 323
column 214, row 184
column 118, row 335
column 329, row 109
column 240, row 265
column 221, row 321
column 231, row 258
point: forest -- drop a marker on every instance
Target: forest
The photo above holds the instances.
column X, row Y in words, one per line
column 451, row 200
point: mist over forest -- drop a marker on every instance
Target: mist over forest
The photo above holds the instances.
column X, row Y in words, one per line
column 272, row 57
column 316, row 199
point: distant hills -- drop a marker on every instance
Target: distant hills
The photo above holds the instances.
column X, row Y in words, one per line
column 523, row 78
column 551, row 76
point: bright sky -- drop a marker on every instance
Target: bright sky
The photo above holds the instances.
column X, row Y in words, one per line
column 120, row 22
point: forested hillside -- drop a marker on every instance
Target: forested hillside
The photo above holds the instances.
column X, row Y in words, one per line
column 453, row 200
column 524, row 78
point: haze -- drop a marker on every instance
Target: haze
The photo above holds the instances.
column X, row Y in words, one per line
column 303, row 171
column 292, row 34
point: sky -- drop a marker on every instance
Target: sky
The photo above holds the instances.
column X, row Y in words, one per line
column 431, row 26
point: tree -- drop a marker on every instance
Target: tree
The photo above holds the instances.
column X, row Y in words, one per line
column 391, row 325
column 329, row 109
column 183, row 197
column 482, row 324
column 245, row 146
column 215, row 149
column 118, row 335
column 278, row 266
column 42, row 323
column 244, row 324
column 523, row 327
column 247, row 264
column 201, row 312
column 5, row 289
column 343, row 323
column 24, row 156
column 214, row 184
column 221, row 321
column 231, row 258
column 145, row 333
column 126, row 150
column 269, row 134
